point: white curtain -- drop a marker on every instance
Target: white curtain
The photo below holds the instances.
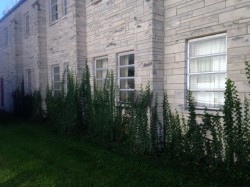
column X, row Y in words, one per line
column 101, row 71
column 207, row 47
column 207, row 67
column 124, row 60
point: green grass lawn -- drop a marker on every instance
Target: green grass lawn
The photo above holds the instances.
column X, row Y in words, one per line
column 32, row 155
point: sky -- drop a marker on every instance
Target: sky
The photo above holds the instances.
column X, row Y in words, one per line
column 4, row 4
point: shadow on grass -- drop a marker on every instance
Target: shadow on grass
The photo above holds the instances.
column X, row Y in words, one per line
column 38, row 157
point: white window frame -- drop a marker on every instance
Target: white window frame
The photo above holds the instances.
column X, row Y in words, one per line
column 65, row 7
column 206, row 73
column 100, row 69
column 26, row 24
column 124, row 66
column 53, row 78
column 51, row 13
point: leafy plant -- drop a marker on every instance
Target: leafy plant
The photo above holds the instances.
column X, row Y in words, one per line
column 138, row 126
column 194, row 138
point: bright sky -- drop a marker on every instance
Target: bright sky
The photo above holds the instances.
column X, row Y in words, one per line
column 4, row 4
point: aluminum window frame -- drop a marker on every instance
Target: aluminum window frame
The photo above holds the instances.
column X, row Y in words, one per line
column 125, row 66
column 206, row 38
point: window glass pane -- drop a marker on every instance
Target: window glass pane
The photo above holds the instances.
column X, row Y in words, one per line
column 65, row 7
column 54, row 9
column 208, row 64
column 99, row 84
column 207, row 47
column 127, row 60
column 124, row 95
column 127, row 72
column 127, row 83
column 102, row 63
column 56, row 70
column 54, row 17
column 207, row 81
column 101, row 74
column 53, row 2
column 57, row 85
column 57, row 77
column 27, row 25
column 209, row 99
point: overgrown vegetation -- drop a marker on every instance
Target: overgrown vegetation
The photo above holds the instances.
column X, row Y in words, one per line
column 220, row 140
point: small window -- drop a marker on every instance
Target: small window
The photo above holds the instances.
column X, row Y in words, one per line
column 126, row 75
column 207, row 67
column 53, row 10
column 101, row 68
column 6, row 36
column 26, row 25
column 56, row 81
column 65, row 7
column 2, row 91
column 29, row 81
column 65, row 76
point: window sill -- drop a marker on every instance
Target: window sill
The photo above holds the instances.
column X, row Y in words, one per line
column 64, row 17
column 200, row 111
column 93, row 2
column 53, row 23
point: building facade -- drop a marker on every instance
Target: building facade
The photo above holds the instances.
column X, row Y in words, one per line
column 176, row 45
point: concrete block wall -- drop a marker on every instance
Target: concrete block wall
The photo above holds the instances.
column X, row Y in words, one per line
column 23, row 53
column 188, row 19
column 11, row 55
column 118, row 26
column 62, row 39
column 156, row 31
column 30, row 46
column 80, row 9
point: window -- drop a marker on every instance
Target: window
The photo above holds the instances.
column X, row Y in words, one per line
column 29, row 81
column 27, row 25
column 101, row 68
column 207, row 66
column 6, row 36
column 126, row 74
column 1, row 91
column 56, row 80
column 66, row 72
column 65, row 7
column 53, row 10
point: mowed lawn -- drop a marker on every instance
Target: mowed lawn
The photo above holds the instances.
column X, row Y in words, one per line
column 32, row 155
